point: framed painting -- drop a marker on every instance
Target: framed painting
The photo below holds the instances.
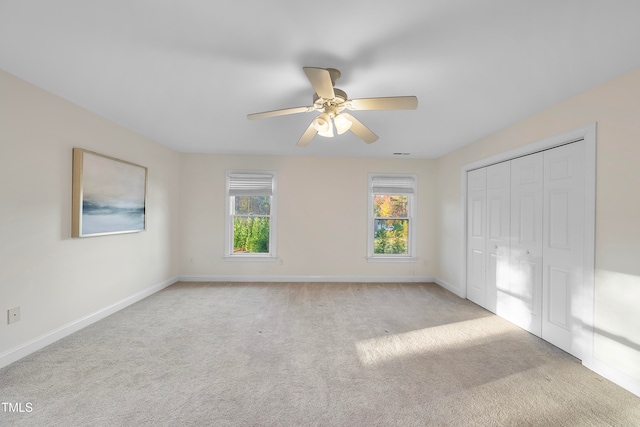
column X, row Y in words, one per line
column 109, row 195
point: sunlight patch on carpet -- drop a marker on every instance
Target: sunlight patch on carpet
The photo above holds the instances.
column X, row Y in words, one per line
column 457, row 335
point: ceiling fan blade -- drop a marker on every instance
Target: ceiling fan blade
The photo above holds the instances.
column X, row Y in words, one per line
column 389, row 103
column 275, row 113
column 321, row 81
column 307, row 136
column 361, row 130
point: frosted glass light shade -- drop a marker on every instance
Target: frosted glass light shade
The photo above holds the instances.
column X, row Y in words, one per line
column 322, row 123
column 329, row 132
column 342, row 123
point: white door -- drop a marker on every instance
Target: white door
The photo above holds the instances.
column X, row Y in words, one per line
column 498, row 229
column 523, row 299
column 563, row 243
column 476, row 235
column 525, row 250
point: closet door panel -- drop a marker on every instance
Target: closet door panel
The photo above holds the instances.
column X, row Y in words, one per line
column 476, row 235
column 498, row 220
column 563, row 243
column 523, row 302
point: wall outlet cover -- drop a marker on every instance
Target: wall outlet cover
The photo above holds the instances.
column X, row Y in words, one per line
column 13, row 315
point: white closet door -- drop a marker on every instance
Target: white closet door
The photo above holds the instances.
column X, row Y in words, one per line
column 563, row 243
column 476, row 235
column 498, row 229
column 524, row 300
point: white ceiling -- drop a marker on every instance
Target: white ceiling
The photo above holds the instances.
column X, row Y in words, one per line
column 185, row 73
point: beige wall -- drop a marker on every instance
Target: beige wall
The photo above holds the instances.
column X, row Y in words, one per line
column 615, row 106
column 53, row 278
column 321, row 216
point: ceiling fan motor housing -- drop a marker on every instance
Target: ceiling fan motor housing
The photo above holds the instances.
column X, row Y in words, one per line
column 330, row 104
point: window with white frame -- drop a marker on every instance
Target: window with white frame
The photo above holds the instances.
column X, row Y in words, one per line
column 392, row 209
column 250, row 215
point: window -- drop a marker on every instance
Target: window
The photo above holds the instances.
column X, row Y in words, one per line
column 392, row 205
column 250, row 216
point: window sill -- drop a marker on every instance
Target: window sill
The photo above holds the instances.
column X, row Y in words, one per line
column 250, row 258
column 391, row 259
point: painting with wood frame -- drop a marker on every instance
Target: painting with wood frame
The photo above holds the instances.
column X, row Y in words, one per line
column 109, row 195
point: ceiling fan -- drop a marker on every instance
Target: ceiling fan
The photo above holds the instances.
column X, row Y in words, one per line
column 332, row 102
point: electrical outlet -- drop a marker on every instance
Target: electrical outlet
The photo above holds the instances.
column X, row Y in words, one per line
column 281, row 261
column 13, row 315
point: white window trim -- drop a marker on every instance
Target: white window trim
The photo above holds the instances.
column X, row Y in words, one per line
column 228, row 229
column 413, row 209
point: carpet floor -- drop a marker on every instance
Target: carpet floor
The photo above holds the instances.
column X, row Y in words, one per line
column 308, row 354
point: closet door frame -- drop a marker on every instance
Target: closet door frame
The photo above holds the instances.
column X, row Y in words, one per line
column 585, row 292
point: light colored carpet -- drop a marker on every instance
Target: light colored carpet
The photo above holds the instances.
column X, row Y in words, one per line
column 308, row 354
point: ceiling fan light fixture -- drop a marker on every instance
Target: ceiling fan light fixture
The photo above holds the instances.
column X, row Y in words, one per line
column 322, row 123
column 329, row 132
column 330, row 103
column 342, row 123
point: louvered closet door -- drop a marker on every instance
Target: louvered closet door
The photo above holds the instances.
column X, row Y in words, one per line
column 476, row 235
column 523, row 300
column 498, row 229
column 563, row 253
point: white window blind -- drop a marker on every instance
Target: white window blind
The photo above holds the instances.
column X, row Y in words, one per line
column 250, row 184
column 392, row 185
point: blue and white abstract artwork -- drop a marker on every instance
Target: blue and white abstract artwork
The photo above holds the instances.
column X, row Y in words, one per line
column 113, row 196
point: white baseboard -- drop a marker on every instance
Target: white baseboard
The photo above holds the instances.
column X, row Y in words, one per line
column 614, row 375
column 450, row 287
column 42, row 341
column 284, row 279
